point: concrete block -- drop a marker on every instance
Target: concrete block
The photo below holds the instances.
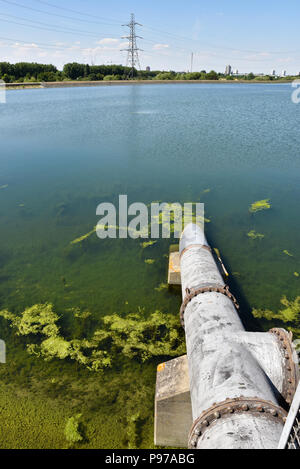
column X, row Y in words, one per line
column 2, row 352
column 173, row 410
column 174, row 277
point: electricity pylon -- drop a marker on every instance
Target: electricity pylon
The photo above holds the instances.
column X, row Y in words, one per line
column 133, row 50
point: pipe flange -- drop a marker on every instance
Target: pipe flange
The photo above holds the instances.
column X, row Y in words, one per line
column 203, row 246
column 192, row 293
column 238, row 405
column 291, row 371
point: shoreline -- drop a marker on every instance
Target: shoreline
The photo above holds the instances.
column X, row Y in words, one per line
column 74, row 84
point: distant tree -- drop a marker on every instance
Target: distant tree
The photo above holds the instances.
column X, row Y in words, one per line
column 112, row 77
column 74, row 70
column 212, row 75
column 8, row 78
column 165, row 76
column 87, row 70
column 192, row 76
column 47, row 76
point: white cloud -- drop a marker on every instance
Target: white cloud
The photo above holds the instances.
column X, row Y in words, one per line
column 108, row 40
column 160, row 46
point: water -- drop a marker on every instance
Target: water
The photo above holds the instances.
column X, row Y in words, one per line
column 64, row 151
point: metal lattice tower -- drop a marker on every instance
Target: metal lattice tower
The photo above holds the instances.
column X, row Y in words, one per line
column 133, row 50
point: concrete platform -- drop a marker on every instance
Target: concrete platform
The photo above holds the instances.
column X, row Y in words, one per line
column 174, row 276
column 173, row 409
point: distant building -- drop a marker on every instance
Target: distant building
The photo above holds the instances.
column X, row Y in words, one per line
column 283, row 74
column 148, row 69
column 228, row 70
column 273, row 73
column 236, row 72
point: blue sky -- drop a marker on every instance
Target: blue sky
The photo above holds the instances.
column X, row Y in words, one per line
column 253, row 36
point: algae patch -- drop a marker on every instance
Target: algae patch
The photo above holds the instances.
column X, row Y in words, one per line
column 260, row 205
column 254, row 235
column 287, row 253
column 290, row 312
column 149, row 261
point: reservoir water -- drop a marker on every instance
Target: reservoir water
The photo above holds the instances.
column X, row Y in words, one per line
column 64, row 151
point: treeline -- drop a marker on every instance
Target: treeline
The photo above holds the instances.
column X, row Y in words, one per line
column 34, row 72
column 28, row 72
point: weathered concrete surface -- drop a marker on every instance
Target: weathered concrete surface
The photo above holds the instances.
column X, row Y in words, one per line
column 2, row 352
column 224, row 360
column 174, row 277
column 173, row 411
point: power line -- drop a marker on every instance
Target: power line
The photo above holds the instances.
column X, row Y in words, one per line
column 53, row 14
column 76, row 11
column 133, row 50
column 34, row 45
column 175, row 36
column 34, row 26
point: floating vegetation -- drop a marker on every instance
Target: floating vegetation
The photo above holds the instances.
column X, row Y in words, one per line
column 38, row 319
column 287, row 253
column 73, row 430
column 149, row 261
column 5, row 186
column 206, row 191
column 147, row 244
column 162, row 287
column 260, row 205
column 291, row 312
column 133, row 336
column 84, row 237
column 296, row 274
column 254, row 235
column 81, row 314
column 160, row 335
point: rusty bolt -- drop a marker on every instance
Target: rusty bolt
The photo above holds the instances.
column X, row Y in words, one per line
column 245, row 407
column 217, row 415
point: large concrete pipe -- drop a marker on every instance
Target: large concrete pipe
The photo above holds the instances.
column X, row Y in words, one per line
column 240, row 382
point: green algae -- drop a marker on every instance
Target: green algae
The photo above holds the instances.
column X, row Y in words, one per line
column 147, row 244
column 289, row 314
column 260, row 205
column 84, row 237
column 160, row 335
column 149, row 261
column 73, row 429
column 287, row 253
column 162, row 287
column 254, row 235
